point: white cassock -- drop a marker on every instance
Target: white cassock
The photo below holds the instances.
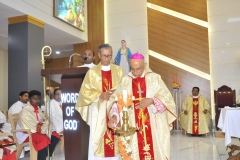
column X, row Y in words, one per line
column 44, row 109
column 87, row 65
column 16, row 108
column 55, row 115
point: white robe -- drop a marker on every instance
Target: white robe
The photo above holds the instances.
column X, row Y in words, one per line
column 16, row 108
column 55, row 115
column 87, row 65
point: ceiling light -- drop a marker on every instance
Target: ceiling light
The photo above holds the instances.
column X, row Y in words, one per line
column 57, row 52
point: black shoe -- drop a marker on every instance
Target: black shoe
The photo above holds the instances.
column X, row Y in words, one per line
column 26, row 152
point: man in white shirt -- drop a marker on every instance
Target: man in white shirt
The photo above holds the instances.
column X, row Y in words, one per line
column 17, row 107
column 56, row 117
column 90, row 57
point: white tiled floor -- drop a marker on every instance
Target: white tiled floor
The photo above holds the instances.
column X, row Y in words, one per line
column 186, row 148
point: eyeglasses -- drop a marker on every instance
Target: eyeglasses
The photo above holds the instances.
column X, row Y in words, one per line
column 58, row 94
column 106, row 56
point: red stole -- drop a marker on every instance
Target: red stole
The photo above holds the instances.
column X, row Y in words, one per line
column 142, row 118
column 108, row 136
column 195, row 118
column 36, row 111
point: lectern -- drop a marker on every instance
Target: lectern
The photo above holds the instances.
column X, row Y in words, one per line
column 76, row 131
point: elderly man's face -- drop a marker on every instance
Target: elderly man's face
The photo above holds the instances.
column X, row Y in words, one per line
column 137, row 67
column 105, row 56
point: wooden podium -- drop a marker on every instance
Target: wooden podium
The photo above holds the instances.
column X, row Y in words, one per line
column 76, row 131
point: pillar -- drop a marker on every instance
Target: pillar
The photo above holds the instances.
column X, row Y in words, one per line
column 25, row 42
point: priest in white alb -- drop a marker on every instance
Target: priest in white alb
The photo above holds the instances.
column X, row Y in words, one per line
column 152, row 113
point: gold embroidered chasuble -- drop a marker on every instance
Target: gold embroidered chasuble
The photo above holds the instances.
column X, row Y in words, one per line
column 186, row 121
column 90, row 91
column 161, row 123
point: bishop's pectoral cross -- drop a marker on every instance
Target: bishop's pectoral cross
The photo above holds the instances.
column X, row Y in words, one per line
column 140, row 92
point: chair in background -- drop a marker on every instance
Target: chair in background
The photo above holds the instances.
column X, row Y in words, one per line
column 224, row 96
column 33, row 152
column 5, row 112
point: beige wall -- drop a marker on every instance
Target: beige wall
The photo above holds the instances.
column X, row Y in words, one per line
column 126, row 20
column 3, row 80
column 224, row 43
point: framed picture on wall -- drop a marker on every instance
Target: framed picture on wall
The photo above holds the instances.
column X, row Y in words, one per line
column 70, row 11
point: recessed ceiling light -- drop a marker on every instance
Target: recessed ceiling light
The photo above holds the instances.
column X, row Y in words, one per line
column 57, row 52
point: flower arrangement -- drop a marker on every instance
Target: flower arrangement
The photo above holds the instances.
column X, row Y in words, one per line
column 176, row 81
column 124, row 147
column 121, row 103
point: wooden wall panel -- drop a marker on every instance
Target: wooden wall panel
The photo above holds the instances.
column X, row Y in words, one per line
column 95, row 31
column 50, row 83
column 178, row 39
column 193, row 8
column 55, row 63
column 189, row 80
column 95, row 17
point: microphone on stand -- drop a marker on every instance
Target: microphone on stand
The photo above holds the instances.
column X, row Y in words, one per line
column 69, row 62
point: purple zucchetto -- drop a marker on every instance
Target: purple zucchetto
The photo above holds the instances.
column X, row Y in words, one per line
column 137, row 56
